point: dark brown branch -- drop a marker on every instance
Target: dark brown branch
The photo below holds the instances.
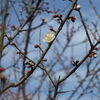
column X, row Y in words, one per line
column 85, row 28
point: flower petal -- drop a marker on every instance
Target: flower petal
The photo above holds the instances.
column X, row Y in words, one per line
column 49, row 37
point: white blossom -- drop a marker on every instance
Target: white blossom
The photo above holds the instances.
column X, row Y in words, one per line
column 49, row 37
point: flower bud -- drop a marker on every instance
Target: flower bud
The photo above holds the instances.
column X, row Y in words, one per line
column 95, row 56
column 45, row 59
column 2, row 69
column 77, row 7
column 37, row 46
column 73, row 18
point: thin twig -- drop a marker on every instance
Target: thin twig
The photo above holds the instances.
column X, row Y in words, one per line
column 85, row 28
column 78, row 65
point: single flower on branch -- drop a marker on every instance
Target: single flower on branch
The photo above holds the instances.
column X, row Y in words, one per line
column 49, row 37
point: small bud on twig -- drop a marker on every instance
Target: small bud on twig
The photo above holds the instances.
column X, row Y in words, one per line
column 45, row 59
column 36, row 46
column 2, row 69
column 77, row 7
column 75, row 63
column 93, row 54
column 57, row 15
column 13, row 28
column 27, row 62
column 73, row 18
column 52, row 29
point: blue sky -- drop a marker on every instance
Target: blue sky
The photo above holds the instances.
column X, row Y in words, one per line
column 87, row 13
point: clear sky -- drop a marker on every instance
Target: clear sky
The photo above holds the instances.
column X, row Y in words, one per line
column 87, row 12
